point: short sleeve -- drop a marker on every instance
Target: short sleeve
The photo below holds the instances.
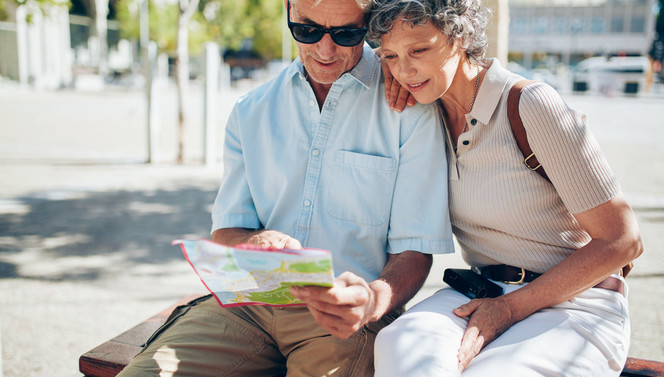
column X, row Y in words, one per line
column 233, row 206
column 420, row 217
column 560, row 138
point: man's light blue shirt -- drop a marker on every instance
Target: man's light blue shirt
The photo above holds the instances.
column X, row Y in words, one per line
column 355, row 178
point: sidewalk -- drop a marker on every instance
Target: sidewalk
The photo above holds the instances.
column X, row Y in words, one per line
column 85, row 227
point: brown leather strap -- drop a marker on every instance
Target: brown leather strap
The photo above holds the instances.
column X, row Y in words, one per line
column 613, row 284
column 519, row 131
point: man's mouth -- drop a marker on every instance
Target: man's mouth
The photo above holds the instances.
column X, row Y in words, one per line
column 326, row 64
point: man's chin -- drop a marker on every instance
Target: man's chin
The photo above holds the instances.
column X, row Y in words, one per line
column 325, row 78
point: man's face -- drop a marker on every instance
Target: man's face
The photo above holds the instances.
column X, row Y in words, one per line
column 325, row 61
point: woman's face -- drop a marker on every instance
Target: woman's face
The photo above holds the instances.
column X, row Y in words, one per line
column 421, row 58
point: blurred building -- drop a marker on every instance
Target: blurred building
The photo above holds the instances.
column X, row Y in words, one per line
column 543, row 33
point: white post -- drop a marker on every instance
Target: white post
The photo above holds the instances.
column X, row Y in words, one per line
column 498, row 30
column 22, row 44
column 36, row 50
column 52, row 48
column 101, row 27
column 225, row 76
column 144, row 20
column 65, row 57
column 152, row 92
column 212, row 65
column 286, row 47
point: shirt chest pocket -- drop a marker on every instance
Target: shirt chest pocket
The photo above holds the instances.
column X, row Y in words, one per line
column 361, row 187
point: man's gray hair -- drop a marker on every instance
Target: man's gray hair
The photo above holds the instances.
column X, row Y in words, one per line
column 460, row 20
column 363, row 4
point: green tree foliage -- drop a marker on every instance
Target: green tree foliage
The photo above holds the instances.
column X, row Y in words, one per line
column 3, row 11
column 37, row 5
column 227, row 22
column 163, row 21
column 235, row 21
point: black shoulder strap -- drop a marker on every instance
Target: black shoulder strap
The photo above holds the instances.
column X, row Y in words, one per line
column 519, row 131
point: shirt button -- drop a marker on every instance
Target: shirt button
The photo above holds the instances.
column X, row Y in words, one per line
column 316, row 152
column 312, row 103
column 473, row 121
column 466, row 142
column 307, row 203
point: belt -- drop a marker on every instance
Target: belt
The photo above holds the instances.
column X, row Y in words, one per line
column 516, row 275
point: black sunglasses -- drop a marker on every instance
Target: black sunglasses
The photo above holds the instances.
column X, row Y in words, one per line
column 309, row 34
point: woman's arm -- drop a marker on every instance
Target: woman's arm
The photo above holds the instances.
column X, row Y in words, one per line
column 616, row 241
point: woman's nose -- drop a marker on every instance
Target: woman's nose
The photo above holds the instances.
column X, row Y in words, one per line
column 405, row 69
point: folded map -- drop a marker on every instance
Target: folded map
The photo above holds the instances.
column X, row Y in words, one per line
column 248, row 275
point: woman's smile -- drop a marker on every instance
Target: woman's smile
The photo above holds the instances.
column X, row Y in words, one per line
column 417, row 86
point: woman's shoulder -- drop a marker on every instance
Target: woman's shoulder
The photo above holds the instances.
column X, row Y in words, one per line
column 541, row 98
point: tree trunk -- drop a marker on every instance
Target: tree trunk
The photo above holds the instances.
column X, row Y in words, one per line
column 186, row 10
column 101, row 31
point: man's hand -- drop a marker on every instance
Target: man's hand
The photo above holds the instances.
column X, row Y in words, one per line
column 395, row 94
column 343, row 309
column 489, row 317
column 265, row 238
column 273, row 239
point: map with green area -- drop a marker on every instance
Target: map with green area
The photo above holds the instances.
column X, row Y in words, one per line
column 249, row 275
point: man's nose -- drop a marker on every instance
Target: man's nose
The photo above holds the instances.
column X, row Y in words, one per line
column 326, row 47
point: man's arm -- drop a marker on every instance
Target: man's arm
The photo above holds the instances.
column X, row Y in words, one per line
column 262, row 237
column 352, row 302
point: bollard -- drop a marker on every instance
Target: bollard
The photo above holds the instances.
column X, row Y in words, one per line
column 152, row 94
column 212, row 65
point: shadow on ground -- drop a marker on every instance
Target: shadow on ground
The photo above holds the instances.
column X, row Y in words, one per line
column 88, row 235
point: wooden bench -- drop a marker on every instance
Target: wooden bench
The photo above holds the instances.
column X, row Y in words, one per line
column 108, row 359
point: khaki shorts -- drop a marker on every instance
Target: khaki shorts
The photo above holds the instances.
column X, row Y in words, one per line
column 204, row 339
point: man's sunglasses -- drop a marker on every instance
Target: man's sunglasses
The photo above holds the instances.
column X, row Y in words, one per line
column 309, row 34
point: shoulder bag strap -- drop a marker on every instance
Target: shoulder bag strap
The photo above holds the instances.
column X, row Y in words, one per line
column 519, row 131
column 522, row 140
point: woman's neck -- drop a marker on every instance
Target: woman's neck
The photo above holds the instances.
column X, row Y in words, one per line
column 458, row 98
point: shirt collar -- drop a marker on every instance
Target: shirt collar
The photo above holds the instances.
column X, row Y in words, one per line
column 490, row 92
column 364, row 71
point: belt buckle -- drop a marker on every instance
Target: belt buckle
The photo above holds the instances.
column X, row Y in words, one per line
column 523, row 277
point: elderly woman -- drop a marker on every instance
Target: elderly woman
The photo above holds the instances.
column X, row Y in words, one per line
column 563, row 242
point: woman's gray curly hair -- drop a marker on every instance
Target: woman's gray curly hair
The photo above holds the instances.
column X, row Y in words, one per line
column 462, row 20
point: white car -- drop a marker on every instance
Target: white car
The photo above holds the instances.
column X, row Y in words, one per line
column 619, row 74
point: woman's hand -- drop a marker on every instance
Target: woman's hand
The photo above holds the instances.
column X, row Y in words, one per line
column 397, row 96
column 488, row 318
column 615, row 242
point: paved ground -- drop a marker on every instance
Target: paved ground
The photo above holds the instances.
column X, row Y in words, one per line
column 85, row 226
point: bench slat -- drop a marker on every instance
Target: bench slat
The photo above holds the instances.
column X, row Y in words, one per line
column 640, row 367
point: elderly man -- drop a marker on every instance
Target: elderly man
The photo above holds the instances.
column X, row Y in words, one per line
column 316, row 158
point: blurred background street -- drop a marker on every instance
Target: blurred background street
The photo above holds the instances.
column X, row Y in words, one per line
column 86, row 226
column 86, row 223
